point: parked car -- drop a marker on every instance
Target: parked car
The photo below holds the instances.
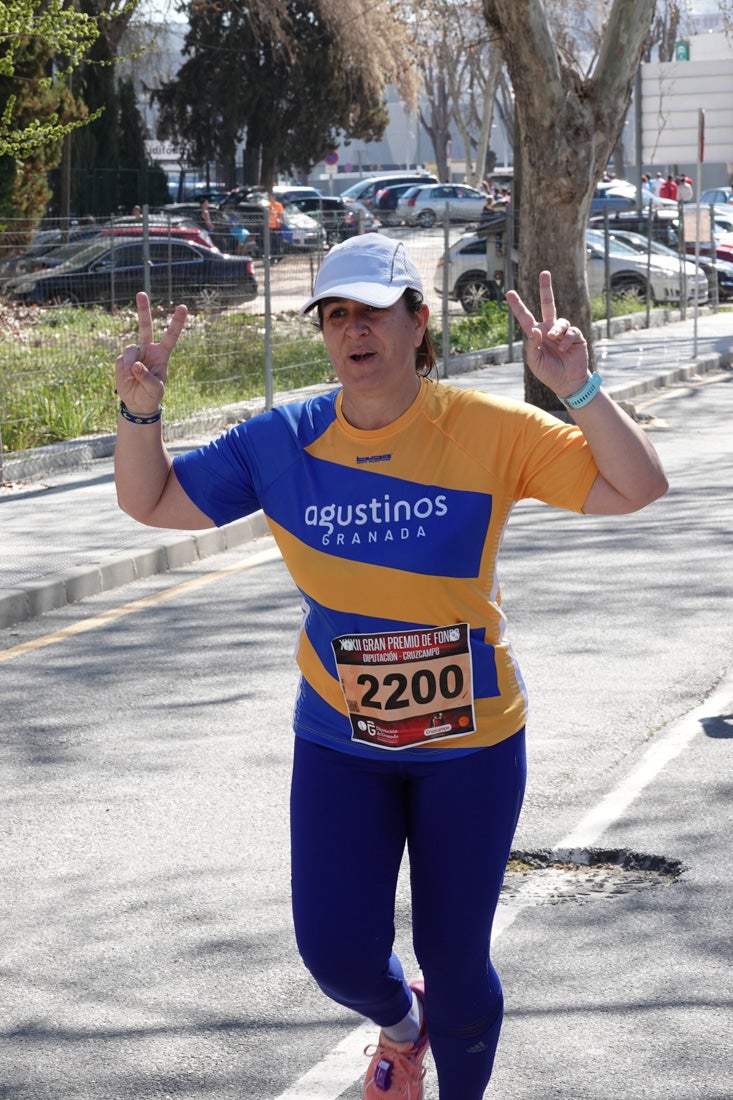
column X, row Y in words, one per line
column 228, row 234
column 385, row 202
column 195, row 192
column 340, row 220
column 608, row 197
column 43, row 244
column 614, row 195
column 720, row 270
column 664, row 224
column 365, row 190
column 470, row 281
column 368, row 220
column 666, row 229
column 473, row 282
column 717, row 195
column 424, row 206
column 299, row 233
column 108, row 271
column 163, row 228
column 31, row 261
column 632, row 273
column 291, row 191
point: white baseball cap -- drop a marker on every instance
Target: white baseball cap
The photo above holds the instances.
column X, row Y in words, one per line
column 370, row 268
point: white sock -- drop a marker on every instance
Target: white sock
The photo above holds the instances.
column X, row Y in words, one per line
column 407, row 1030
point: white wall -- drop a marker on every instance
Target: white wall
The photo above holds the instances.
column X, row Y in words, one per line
column 673, row 92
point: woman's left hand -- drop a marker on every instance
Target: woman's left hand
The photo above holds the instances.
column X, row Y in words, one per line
column 557, row 353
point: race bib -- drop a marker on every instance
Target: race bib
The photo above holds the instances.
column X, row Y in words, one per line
column 406, row 688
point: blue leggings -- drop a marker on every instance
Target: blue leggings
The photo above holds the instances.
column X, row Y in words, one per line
column 350, row 820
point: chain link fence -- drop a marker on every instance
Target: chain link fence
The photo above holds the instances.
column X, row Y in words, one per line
column 67, row 294
column 66, row 309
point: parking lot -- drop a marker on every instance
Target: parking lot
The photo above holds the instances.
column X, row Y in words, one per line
column 292, row 278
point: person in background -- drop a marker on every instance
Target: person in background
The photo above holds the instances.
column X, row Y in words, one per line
column 388, row 498
column 669, row 189
column 684, row 189
column 205, row 214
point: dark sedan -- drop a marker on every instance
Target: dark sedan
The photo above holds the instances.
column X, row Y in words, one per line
column 339, row 219
column 30, row 262
column 385, row 203
column 106, row 273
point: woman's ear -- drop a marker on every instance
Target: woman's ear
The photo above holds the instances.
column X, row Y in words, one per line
column 421, row 323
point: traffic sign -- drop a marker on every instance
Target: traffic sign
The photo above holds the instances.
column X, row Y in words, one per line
column 331, row 158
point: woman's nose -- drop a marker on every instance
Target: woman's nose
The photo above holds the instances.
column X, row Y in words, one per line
column 358, row 322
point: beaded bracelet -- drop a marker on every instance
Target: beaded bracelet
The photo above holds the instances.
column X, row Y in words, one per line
column 140, row 418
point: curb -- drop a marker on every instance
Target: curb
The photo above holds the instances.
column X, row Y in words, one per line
column 57, row 590
column 704, row 364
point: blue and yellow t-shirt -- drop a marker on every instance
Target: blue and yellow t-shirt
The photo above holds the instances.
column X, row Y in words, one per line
column 392, row 537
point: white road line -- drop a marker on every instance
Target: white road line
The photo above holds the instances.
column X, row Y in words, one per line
column 339, row 1069
column 345, row 1063
column 674, row 742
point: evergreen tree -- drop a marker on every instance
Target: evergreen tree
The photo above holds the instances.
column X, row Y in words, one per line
column 31, row 101
column 141, row 180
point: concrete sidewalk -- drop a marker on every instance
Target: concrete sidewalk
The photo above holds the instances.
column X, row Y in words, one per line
column 62, row 536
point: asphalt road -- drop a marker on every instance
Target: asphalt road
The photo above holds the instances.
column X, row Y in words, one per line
column 147, row 946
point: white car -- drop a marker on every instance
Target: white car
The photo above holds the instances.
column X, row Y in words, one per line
column 722, row 270
column 424, row 206
column 300, row 231
column 613, row 195
column 474, row 279
column 630, row 272
column 470, row 280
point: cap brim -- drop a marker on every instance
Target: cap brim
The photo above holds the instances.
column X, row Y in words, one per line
column 370, row 294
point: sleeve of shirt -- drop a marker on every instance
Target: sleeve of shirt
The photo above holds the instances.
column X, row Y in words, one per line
column 553, row 462
column 219, row 477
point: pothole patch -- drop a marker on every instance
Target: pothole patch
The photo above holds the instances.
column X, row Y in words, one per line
column 548, row 877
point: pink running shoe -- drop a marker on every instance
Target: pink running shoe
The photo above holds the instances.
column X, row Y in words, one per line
column 396, row 1069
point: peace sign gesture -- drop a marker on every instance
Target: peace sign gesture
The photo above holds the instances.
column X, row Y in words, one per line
column 557, row 353
column 141, row 371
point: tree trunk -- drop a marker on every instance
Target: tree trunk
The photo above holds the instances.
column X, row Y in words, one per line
column 482, row 146
column 566, row 136
column 251, row 162
column 438, row 125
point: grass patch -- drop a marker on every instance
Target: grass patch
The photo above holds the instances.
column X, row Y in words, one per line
column 57, row 365
column 489, row 326
column 58, row 368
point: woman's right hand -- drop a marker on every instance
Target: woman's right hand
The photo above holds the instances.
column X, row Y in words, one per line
column 141, row 370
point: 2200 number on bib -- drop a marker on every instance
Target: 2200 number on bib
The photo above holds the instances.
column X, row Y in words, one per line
column 407, row 688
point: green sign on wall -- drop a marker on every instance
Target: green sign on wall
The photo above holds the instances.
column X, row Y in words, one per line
column 682, row 51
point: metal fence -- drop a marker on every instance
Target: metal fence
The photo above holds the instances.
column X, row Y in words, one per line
column 61, row 327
